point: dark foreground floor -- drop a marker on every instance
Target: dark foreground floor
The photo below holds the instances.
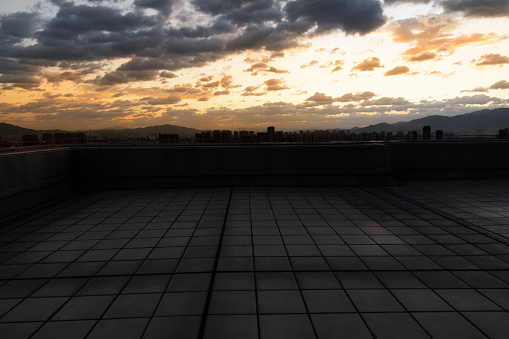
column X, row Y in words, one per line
column 427, row 259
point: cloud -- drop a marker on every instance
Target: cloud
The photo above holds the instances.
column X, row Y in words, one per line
column 227, row 82
column 214, row 84
column 20, row 25
column 275, row 85
column 320, row 98
column 397, row 2
column 168, row 75
column 432, row 36
column 163, row 6
column 502, row 84
column 309, row 64
column 477, row 8
column 492, row 59
column 169, row 100
column 423, row 57
column 360, row 16
column 251, row 91
column 356, row 97
column 224, row 92
column 476, row 90
column 386, row 101
column 337, row 65
column 265, row 68
column 368, row 65
column 397, row 71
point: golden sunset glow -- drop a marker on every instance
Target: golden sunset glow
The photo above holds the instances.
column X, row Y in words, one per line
column 247, row 64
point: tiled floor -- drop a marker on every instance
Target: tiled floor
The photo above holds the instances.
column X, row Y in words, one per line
column 427, row 259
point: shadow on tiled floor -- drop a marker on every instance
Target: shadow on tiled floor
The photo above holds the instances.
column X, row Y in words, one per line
column 428, row 259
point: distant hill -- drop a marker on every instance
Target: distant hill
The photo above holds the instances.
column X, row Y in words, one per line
column 8, row 129
column 181, row 131
column 144, row 131
column 12, row 130
column 487, row 120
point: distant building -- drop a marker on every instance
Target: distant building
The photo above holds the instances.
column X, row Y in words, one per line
column 168, row 138
column 426, row 133
column 30, row 139
column 69, row 138
column 412, row 135
column 47, row 137
column 439, row 135
column 503, row 133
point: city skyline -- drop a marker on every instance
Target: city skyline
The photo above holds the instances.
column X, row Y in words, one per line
column 248, row 64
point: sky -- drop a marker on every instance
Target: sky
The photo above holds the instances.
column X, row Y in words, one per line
column 249, row 64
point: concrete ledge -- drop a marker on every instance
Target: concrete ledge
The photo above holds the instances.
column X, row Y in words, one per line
column 31, row 178
column 450, row 160
column 234, row 165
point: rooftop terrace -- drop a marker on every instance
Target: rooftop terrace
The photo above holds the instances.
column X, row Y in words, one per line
column 416, row 259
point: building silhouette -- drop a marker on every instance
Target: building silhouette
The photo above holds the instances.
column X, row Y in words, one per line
column 426, row 133
column 168, row 138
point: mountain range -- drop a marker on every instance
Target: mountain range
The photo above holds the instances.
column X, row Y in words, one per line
column 12, row 130
column 486, row 120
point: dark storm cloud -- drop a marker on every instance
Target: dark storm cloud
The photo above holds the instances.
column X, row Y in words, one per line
column 478, row 8
column 152, row 44
column 246, row 12
column 351, row 16
column 19, row 25
column 122, row 77
column 397, row 2
column 216, row 7
column 72, row 21
column 163, row 6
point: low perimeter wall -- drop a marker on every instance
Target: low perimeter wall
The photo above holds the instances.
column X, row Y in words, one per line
column 28, row 179
column 233, row 165
column 31, row 178
column 450, row 160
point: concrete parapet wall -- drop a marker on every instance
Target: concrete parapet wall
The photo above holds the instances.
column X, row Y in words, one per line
column 29, row 178
column 237, row 165
column 454, row 160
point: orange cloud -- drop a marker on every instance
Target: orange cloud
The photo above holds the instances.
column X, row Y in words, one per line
column 356, row 97
column 320, row 98
column 397, row 70
column 275, row 85
column 263, row 67
column 225, row 92
column 423, row 57
column 338, row 65
column 492, row 59
column 433, row 35
column 368, row 65
column 169, row 100
column 309, row 64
